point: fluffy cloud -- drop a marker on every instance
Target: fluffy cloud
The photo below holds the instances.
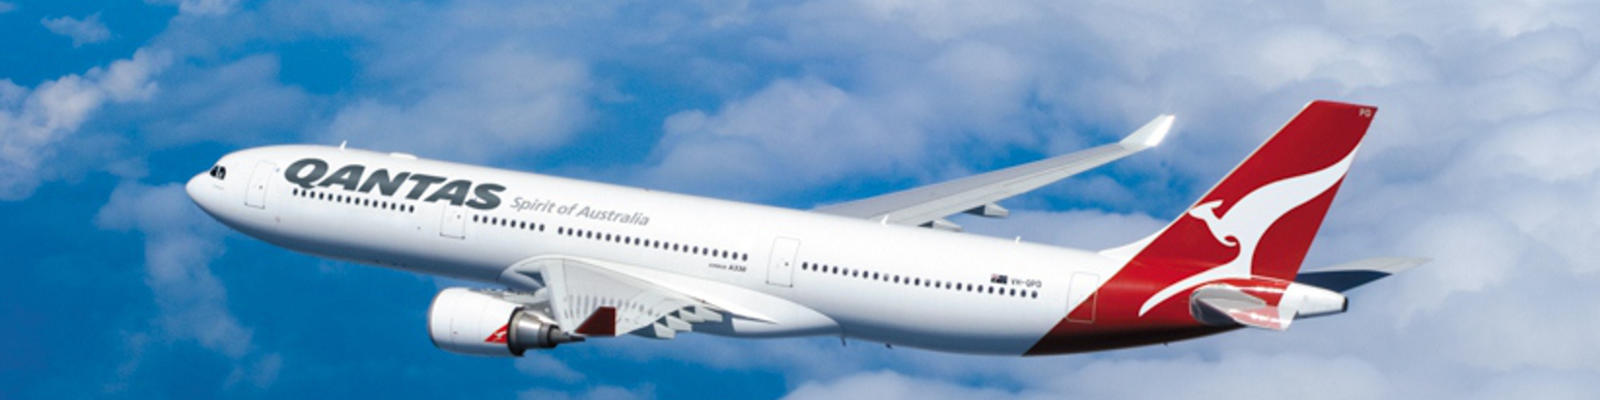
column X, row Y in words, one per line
column 239, row 102
column 470, row 81
column 34, row 121
column 1478, row 160
column 202, row 7
column 1237, row 377
column 180, row 242
column 594, row 393
column 886, row 385
column 1481, row 157
column 543, row 365
column 486, row 105
column 899, row 115
column 6, row 7
column 84, row 31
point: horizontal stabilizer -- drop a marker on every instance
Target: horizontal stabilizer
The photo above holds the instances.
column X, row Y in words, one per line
column 1343, row 277
column 1263, row 303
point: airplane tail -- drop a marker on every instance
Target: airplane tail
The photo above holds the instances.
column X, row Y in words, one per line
column 1235, row 254
column 1261, row 218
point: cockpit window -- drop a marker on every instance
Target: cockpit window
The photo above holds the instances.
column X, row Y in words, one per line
column 219, row 172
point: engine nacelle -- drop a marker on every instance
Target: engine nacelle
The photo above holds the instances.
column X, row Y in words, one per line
column 470, row 322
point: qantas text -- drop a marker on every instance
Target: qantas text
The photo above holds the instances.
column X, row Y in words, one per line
column 311, row 172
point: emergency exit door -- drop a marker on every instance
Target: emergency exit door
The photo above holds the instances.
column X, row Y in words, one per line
column 780, row 266
column 453, row 223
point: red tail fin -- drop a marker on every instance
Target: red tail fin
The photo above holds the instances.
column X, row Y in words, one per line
column 1261, row 218
column 1257, row 222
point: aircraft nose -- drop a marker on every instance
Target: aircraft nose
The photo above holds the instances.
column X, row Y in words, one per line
column 201, row 191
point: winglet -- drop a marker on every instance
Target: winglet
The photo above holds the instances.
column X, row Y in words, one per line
column 1151, row 133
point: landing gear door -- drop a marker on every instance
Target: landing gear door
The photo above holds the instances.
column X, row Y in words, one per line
column 256, row 194
column 780, row 266
column 454, row 222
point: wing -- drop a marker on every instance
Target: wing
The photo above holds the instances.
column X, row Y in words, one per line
column 600, row 299
column 929, row 205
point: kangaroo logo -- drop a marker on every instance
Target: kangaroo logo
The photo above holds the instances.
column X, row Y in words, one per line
column 1248, row 220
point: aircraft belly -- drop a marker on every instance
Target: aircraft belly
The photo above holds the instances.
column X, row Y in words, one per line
column 995, row 330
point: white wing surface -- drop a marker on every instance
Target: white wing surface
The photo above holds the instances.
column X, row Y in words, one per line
column 592, row 299
column 928, row 205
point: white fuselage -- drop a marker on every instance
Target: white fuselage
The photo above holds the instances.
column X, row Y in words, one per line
column 904, row 286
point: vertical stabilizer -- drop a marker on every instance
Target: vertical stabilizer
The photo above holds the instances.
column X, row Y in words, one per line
column 1260, row 219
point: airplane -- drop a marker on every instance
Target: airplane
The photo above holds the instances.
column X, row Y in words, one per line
column 568, row 260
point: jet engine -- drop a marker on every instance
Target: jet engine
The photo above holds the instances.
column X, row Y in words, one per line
column 484, row 323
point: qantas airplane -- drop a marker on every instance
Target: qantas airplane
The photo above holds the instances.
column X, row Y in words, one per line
column 573, row 259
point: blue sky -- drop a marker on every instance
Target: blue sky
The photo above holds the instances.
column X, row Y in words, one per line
column 1482, row 157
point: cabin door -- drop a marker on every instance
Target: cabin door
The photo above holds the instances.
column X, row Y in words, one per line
column 780, row 266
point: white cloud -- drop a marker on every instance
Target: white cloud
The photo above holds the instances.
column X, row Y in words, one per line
column 806, row 130
column 202, row 7
column 475, row 105
column 84, row 31
column 544, row 365
column 1480, row 158
column 191, row 302
column 180, row 243
column 888, row 385
column 1243, row 376
column 239, row 102
column 33, row 122
column 601, row 392
column 797, row 133
column 6, row 7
